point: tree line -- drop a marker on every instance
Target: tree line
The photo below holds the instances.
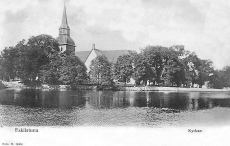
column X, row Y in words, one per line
column 160, row 66
column 39, row 60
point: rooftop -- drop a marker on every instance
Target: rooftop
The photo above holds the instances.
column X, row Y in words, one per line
column 111, row 55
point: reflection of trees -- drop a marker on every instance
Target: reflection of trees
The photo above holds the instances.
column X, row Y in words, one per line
column 7, row 97
column 200, row 103
column 78, row 98
column 155, row 99
column 62, row 99
column 26, row 97
column 167, row 100
column 193, row 104
column 41, row 98
column 198, row 100
column 221, row 102
column 101, row 99
column 121, row 99
column 177, row 101
column 49, row 99
column 108, row 99
column 140, row 99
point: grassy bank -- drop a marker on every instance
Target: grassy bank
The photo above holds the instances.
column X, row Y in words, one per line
column 121, row 88
column 19, row 85
column 15, row 84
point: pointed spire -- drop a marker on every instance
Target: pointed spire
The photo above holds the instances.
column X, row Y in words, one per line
column 64, row 19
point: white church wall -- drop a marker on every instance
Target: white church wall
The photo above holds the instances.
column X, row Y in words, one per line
column 91, row 56
column 62, row 48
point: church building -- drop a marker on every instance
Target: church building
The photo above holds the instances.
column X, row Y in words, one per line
column 111, row 55
column 67, row 44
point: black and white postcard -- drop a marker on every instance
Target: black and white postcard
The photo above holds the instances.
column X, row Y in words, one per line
column 114, row 72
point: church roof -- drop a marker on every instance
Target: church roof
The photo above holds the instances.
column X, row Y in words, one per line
column 111, row 55
column 82, row 55
column 65, row 39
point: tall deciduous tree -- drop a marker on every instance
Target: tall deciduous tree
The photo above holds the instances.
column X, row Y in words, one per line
column 192, row 63
column 204, row 70
column 100, row 71
column 124, row 68
column 72, row 70
column 154, row 56
column 11, row 59
column 50, row 73
column 142, row 70
column 36, row 54
column 220, row 78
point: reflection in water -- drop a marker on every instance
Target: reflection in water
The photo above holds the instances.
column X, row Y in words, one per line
column 57, row 108
column 109, row 99
column 45, row 99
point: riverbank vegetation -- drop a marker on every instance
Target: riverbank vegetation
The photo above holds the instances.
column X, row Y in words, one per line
column 38, row 60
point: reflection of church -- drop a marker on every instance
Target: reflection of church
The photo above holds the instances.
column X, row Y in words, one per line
column 67, row 44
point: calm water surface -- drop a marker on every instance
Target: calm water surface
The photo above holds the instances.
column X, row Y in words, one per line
column 31, row 107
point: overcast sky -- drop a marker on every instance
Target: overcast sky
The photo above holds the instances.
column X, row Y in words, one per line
column 202, row 26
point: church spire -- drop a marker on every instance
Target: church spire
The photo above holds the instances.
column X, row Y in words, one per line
column 64, row 28
column 64, row 18
column 66, row 43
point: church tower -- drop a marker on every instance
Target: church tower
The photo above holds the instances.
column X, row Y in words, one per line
column 66, row 43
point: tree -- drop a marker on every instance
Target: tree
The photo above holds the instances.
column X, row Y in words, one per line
column 220, row 78
column 72, row 70
column 204, row 70
column 174, row 73
column 39, row 59
column 123, row 68
column 36, row 55
column 192, row 64
column 153, row 55
column 8, row 63
column 50, row 73
column 226, row 76
column 165, row 63
column 100, row 71
column 216, row 79
column 142, row 71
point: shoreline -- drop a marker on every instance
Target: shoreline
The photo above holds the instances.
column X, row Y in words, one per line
column 172, row 89
column 16, row 85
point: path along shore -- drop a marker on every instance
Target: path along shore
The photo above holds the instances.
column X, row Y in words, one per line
column 172, row 89
column 85, row 87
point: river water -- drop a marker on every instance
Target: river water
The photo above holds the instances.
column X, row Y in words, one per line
column 31, row 107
